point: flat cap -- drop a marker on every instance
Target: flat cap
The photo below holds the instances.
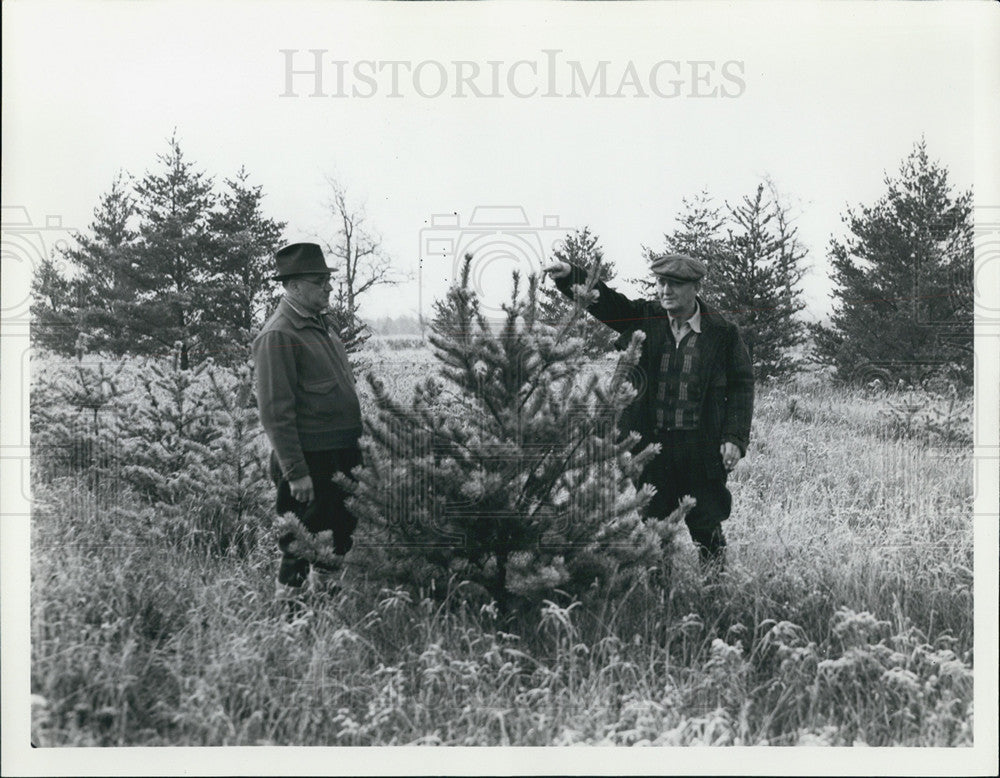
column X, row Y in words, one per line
column 298, row 259
column 679, row 267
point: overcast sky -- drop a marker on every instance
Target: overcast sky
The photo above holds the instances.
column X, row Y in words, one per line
column 824, row 99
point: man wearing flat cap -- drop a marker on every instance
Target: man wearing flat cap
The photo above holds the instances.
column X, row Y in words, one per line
column 697, row 398
column 308, row 405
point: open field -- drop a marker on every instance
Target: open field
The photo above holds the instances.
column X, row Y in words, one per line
column 845, row 616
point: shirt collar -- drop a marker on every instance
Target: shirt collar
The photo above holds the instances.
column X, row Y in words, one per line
column 694, row 322
column 299, row 317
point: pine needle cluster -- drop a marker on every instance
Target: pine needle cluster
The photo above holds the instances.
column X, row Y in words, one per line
column 507, row 469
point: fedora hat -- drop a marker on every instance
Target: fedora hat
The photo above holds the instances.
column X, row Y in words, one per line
column 298, row 259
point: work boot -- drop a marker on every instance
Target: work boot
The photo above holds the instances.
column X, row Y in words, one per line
column 292, row 571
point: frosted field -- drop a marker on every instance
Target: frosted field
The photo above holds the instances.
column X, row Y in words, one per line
column 845, row 616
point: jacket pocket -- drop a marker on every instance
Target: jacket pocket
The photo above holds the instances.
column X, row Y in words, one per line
column 322, row 397
column 322, row 386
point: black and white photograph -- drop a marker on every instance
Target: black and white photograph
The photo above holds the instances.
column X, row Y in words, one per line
column 418, row 387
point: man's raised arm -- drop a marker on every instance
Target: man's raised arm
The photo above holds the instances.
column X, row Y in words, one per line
column 613, row 308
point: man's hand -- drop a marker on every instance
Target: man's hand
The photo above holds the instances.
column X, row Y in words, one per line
column 730, row 455
column 302, row 489
column 557, row 269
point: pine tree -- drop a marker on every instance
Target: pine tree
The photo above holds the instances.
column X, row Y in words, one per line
column 83, row 290
column 169, row 440
column 755, row 282
column 239, row 489
column 76, row 422
column 700, row 231
column 241, row 292
column 173, row 265
column 755, row 267
column 903, row 276
column 582, row 249
column 169, row 261
column 346, row 323
column 506, row 469
column 699, row 234
column 53, row 309
column 179, row 450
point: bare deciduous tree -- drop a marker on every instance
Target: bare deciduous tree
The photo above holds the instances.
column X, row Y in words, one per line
column 362, row 263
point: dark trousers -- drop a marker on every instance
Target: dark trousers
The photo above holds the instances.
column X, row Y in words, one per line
column 326, row 511
column 686, row 466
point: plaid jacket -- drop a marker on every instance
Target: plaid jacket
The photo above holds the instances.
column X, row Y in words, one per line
column 725, row 380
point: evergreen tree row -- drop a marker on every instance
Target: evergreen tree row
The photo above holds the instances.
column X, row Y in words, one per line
column 173, row 258
column 169, row 258
column 903, row 279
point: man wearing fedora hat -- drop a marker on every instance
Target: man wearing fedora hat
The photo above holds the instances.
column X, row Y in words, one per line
column 308, row 405
column 697, row 397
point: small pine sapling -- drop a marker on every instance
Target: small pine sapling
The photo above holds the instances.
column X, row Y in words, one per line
column 76, row 420
column 507, row 468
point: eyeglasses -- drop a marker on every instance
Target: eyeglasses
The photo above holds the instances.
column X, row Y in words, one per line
column 319, row 281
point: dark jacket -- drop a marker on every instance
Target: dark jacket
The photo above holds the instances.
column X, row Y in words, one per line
column 724, row 379
column 305, row 389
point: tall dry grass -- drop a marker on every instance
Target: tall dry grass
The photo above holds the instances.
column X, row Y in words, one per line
column 845, row 617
